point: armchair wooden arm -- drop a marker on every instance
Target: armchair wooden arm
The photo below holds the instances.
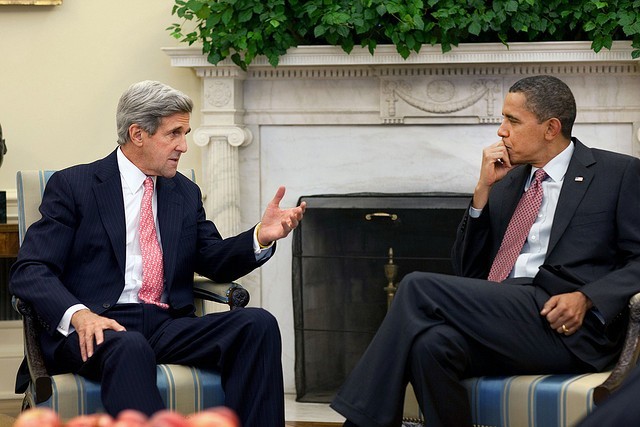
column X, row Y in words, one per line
column 235, row 295
column 628, row 357
column 33, row 359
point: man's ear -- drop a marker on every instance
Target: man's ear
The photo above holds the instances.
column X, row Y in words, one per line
column 554, row 128
column 135, row 134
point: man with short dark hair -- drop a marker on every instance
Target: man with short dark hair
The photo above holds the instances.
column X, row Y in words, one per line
column 546, row 259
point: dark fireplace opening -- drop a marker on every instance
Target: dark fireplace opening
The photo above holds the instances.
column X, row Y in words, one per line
column 339, row 254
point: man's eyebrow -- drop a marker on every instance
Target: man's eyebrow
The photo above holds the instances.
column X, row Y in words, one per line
column 179, row 128
column 511, row 117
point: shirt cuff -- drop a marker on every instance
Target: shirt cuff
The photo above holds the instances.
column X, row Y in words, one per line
column 474, row 213
column 64, row 327
column 257, row 247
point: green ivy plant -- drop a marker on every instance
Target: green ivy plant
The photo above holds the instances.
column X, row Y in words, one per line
column 243, row 29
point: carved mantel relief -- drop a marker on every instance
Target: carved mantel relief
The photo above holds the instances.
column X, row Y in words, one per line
column 441, row 97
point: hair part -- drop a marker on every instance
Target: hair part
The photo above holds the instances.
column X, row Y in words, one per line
column 146, row 103
column 548, row 97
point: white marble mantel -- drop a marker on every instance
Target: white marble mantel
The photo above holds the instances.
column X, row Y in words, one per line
column 327, row 122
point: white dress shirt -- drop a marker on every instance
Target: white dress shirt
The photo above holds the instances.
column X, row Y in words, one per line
column 535, row 247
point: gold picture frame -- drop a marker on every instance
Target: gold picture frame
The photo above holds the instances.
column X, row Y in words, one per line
column 32, row 2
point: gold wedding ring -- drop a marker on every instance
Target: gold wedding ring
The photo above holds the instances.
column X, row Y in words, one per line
column 564, row 329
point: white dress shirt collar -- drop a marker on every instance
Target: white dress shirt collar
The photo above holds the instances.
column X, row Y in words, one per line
column 557, row 167
column 132, row 177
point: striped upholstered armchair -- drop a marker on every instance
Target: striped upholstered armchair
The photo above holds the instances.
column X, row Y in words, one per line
column 184, row 389
column 543, row 400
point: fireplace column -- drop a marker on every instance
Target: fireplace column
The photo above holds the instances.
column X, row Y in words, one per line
column 220, row 136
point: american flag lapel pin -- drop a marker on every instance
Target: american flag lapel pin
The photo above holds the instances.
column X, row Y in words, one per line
column 578, row 179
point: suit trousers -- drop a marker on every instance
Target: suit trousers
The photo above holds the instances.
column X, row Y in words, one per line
column 244, row 345
column 440, row 330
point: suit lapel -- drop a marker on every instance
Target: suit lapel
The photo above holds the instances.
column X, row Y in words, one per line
column 108, row 194
column 170, row 224
column 576, row 182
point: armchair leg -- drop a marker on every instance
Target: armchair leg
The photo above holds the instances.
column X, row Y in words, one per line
column 27, row 402
column 628, row 357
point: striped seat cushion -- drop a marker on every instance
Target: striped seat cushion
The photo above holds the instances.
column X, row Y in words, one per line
column 526, row 400
column 183, row 388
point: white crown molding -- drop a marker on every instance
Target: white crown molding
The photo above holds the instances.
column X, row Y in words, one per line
column 468, row 53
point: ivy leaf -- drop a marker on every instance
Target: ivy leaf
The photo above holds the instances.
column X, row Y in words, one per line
column 632, row 30
column 596, row 45
column 343, row 31
column 511, row 6
column 214, row 57
column 245, row 15
column 626, row 18
column 194, row 5
column 226, row 16
column 474, row 28
column 403, row 51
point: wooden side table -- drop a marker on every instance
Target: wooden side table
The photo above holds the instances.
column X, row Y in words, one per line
column 8, row 252
column 9, row 240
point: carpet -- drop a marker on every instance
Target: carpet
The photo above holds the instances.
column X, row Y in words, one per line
column 6, row 421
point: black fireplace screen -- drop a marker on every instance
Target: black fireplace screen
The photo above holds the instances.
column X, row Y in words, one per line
column 339, row 253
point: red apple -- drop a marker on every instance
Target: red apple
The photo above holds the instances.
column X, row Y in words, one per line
column 83, row 421
column 38, row 417
column 92, row 420
column 104, row 420
column 214, row 417
column 167, row 419
column 131, row 418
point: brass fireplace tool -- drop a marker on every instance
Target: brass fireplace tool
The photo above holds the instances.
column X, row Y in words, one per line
column 391, row 272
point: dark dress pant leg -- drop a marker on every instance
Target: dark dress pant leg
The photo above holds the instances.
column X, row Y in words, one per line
column 463, row 327
column 245, row 346
column 621, row 408
column 124, row 364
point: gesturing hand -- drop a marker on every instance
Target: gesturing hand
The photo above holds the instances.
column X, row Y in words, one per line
column 277, row 223
column 89, row 327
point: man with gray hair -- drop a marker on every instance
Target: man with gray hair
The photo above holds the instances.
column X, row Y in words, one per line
column 546, row 259
column 109, row 268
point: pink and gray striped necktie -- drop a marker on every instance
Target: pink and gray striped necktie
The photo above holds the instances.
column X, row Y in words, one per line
column 518, row 229
column 152, row 268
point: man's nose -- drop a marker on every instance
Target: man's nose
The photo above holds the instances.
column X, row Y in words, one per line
column 183, row 146
column 502, row 131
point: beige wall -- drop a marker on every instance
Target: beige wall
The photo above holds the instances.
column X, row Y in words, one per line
column 62, row 70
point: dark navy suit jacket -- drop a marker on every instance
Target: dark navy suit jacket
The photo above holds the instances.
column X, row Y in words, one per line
column 594, row 245
column 76, row 252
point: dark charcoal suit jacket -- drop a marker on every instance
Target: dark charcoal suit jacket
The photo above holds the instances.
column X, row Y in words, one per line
column 76, row 252
column 594, row 245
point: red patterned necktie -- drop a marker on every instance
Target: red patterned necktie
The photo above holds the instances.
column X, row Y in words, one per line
column 518, row 229
column 152, row 269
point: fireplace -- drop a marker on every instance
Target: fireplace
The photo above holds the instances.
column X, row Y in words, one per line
column 340, row 252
